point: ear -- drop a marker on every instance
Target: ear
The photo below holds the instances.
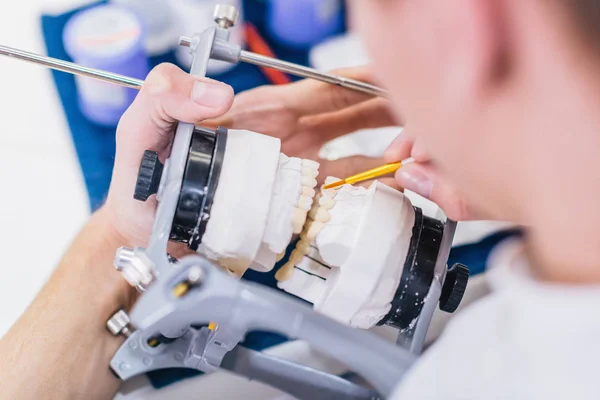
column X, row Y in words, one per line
column 476, row 47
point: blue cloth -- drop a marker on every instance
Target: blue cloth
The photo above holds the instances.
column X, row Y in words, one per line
column 95, row 147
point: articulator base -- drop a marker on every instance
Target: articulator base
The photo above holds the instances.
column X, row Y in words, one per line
column 195, row 315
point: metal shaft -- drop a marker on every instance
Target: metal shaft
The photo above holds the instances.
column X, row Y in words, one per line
column 306, row 72
column 245, row 56
column 71, row 68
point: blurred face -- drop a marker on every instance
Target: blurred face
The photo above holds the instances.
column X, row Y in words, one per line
column 436, row 68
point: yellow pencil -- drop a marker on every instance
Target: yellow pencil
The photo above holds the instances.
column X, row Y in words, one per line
column 370, row 174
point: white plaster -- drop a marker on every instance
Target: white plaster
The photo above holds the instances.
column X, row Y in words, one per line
column 360, row 291
column 336, row 240
column 243, row 197
column 308, row 278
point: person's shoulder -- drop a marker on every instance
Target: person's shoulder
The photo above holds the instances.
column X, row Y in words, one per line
column 517, row 343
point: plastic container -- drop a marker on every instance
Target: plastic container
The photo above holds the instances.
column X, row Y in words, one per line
column 159, row 23
column 110, row 38
column 303, row 23
column 194, row 16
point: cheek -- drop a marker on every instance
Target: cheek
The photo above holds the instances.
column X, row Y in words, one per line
column 397, row 35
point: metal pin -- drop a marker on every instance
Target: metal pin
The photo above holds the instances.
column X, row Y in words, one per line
column 71, row 68
column 245, row 56
column 302, row 71
column 305, row 72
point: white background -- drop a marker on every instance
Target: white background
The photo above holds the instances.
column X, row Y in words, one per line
column 43, row 202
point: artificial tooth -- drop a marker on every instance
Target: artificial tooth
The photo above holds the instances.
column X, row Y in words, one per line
column 307, row 191
column 280, row 256
column 313, row 212
column 298, row 219
column 328, row 192
column 296, row 257
column 285, row 272
column 303, row 235
column 314, row 229
column 331, row 179
column 321, row 215
column 307, row 171
column 326, row 202
column 309, row 181
column 303, row 247
column 310, row 163
column 305, row 202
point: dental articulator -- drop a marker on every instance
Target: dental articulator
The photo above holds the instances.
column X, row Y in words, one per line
column 363, row 256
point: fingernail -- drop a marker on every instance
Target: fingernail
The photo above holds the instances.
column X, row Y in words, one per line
column 211, row 94
column 415, row 180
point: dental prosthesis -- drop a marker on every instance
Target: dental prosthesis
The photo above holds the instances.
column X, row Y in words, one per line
column 354, row 242
column 262, row 199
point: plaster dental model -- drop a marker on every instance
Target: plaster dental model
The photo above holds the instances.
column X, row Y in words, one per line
column 353, row 240
column 349, row 259
column 262, row 199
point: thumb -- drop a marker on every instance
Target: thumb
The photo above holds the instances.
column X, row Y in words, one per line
column 170, row 95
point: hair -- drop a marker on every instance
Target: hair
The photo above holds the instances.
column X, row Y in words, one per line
column 586, row 14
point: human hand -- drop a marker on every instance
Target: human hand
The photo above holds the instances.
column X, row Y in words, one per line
column 307, row 114
column 168, row 95
column 424, row 179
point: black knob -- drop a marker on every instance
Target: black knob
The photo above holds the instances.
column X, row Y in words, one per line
column 148, row 177
column 454, row 287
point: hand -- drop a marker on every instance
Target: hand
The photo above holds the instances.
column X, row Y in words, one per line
column 307, row 114
column 422, row 178
column 169, row 95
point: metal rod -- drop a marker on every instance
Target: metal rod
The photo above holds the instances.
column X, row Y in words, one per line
column 306, row 72
column 71, row 68
column 245, row 56
column 299, row 70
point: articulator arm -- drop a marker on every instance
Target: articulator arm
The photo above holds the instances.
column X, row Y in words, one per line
column 216, row 311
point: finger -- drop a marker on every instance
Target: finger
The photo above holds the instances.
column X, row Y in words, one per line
column 423, row 180
column 373, row 113
column 400, row 149
column 309, row 96
column 419, row 153
column 170, row 95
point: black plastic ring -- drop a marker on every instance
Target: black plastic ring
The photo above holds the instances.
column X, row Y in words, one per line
column 200, row 181
column 418, row 272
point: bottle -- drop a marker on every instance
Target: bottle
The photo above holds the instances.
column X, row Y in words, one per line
column 110, row 38
column 303, row 23
column 159, row 24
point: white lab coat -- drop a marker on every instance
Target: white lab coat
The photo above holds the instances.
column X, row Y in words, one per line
column 527, row 340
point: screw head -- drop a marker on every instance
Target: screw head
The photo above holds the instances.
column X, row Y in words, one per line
column 225, row 15
column 118, row 324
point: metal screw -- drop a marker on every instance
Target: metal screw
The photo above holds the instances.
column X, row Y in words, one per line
column 119, row 324
column 226, row 16
column 195, row 275
column 136, row 267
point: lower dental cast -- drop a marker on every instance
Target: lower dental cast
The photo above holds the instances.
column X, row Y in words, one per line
column 351, row 253
column 317, row 218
